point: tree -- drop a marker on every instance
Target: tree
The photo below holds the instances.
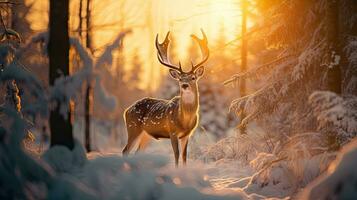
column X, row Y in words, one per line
column 89, row 89
column 332, row 31
column 309, row 39
column 244, row 54
column 80, row 17
column 58, row 51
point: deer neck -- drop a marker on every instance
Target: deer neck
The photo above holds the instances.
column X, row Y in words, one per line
column 189, row 102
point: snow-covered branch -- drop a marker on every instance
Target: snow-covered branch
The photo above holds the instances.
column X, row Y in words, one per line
column 339, row 111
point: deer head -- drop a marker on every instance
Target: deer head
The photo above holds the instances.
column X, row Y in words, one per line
column 187, row 80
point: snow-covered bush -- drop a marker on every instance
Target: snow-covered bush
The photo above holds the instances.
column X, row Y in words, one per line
column 67, row 88
column 241, row 147
column 290, row 167
column 340, row 180
column 340, row 112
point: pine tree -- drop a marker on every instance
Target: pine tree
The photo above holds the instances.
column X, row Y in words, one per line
column 88, row 104
column 58, row 51
column 244, row 59
column 303, row 35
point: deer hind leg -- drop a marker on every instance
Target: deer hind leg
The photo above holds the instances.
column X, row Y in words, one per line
column 184, row 143
column 133, row 134
column 144, row 140
column 174, row 143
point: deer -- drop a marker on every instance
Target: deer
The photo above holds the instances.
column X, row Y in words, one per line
column 175, row 119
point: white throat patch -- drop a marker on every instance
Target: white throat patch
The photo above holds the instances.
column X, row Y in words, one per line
column 188, row 96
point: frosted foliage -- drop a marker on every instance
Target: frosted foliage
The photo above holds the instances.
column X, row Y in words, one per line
column 14, row 72
column 67, row 87
column 340, row 180
column 62, row 160
column 308, row 57
column 241, row 147
column 299, row 59
column 6, row 54
column 12, row 98
column 350, row 80
column 351, row 49
column 291, row 166
column 107, row 101
column 256, row 104
column 331, row 108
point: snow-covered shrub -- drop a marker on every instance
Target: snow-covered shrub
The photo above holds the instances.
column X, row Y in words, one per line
column 67, row 88
column 340, row 180
column 63, row 160
column 239, row 147
column 341, row 112
column 24, row 177
column 290, row 167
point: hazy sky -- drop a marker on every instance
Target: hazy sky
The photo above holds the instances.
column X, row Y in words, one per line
column 148, row 17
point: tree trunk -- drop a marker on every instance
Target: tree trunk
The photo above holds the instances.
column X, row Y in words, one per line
column 58, row 51
column 87, row 115
column 80, row 17
column 334, row 81
column 88, row 94
column 244, row 53
column 88, row 25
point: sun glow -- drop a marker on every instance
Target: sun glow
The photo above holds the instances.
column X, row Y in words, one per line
column 148, row 17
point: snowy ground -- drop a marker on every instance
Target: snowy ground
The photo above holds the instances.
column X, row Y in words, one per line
column 221, row 174
column 109, row 174
column 222, row 177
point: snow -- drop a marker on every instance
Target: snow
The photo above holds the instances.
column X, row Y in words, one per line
column 65, row 174
column 109, row 102
column 67, row 87
column 340, row 180
column 62, row 160
column 339, row 111
column 68, row 174
column 236, row 167
column 143, row 176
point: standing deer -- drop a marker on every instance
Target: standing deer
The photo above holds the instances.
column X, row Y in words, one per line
column 176, row 118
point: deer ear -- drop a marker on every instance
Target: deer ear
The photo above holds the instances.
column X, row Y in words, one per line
column 199, row 71
column 174, row 74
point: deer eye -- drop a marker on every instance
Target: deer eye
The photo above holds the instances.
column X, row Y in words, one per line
column 193, row 78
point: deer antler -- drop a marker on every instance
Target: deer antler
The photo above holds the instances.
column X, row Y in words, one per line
column 162, row 53
column 204, row 49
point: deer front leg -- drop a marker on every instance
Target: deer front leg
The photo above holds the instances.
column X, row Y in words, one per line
column 174, row 143
column 184, row 142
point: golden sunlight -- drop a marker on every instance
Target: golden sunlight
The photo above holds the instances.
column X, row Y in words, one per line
column 148, row 17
